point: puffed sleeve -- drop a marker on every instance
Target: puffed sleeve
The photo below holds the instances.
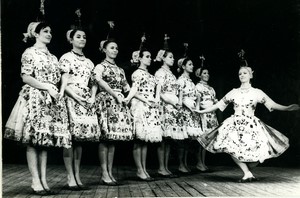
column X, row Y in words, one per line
column 28, row 63
column 97, row 72
column 65, row 64
column 265, row 99
column 136, row 78
column 228, row 98
column 160, row 77
column 181, row 83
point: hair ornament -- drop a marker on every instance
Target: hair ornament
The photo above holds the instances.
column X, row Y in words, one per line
column 30, row 31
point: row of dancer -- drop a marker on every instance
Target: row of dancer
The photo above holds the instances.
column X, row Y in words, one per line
column 69, row 101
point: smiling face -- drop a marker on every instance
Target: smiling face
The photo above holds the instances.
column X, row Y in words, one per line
column 79, row 39
column 188, row 67
column 111, row 50
column 146, row 59
column 204, row 75
column 169, row 59
column 244, row 75
column 44, row 36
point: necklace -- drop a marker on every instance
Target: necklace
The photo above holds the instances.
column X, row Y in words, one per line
column 244, row 89
column 143, row 69
column 81, row 55
column 109, row 62
column 166, row 69
column 203, row 82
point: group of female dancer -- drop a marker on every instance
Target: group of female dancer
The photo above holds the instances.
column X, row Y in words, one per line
column 69, row 101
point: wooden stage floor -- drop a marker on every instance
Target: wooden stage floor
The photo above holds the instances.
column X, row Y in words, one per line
column 222, row 182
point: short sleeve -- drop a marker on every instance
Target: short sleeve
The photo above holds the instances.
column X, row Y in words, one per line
column 228, row 98
column 160, row 77
column 265, row 99
column 97, row 72
column 27, row 62
column 181, row 84
column 136, row 78
column 64, row 64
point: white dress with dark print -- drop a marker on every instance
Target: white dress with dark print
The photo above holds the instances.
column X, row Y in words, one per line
column 146, row 121
column 172, row 126
column 209, row 121
column 243, row 135
column 114, row 119
column 37, row 118
column 83, row 119
column 191, row 120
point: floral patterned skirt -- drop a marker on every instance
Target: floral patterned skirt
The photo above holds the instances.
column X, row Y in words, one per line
column 83, row 119
column 209, row 121
column 146, row 123
column 172, row 126
column 114, row 119
column 191, row 122
column 246, row 138
column 38, row 120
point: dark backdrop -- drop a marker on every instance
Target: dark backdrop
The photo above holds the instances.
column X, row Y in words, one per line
column 267, row 30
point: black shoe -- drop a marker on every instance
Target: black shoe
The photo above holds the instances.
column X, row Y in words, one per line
column 108, row 183
column 51, row 192
column 83, row 187
column 39, row 192
column 73, row 188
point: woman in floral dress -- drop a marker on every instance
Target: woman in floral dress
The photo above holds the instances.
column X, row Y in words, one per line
column 77, row 69
column 39, row 118
column 172, row 127
column 209, row 121
column 113, row 115
column 144, row 108
column 191, row 120
column 245, row 137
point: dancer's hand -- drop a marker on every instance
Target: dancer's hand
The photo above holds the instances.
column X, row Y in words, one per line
column 293, row 107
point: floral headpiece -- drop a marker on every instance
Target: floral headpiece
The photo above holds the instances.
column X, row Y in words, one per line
column 30, row 31
column 75, row 26
column 199, row 70
column 160, row 53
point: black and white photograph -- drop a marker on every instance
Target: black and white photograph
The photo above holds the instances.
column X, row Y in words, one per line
column 160, row 98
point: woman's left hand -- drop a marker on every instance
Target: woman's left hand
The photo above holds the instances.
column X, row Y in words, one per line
column 293, row 107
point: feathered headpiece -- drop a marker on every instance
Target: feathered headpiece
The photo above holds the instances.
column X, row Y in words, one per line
column 135, row 54
column 32, row 26
column 198, row 71
column 244, row 63
column 111, row 27
column 76, row 25
column 180, row 61
column 161, row 53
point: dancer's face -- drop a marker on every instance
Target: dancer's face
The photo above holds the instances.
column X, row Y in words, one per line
column 205, row 75
column 44, row 35
column 244, row 75
column 189, row 66
column 79, row 39
column 111, row 50
column 146, row 59
column 169, row 59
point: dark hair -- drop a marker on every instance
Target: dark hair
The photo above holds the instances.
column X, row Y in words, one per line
column 110, row 40
column 41, row 26
column 72, row 33
column 141, row 53
column 166, row 53
column 185, row 60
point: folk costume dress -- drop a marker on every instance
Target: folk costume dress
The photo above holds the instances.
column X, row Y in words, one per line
column 209, row 120
column 191, row 120
column 38, row 119
column 114, row 119
column 146, row 122
column 243, row 135
column 172, row 126
column 83, row 119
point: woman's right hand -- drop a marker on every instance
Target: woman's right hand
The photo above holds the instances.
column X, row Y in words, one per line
column 52, row 91
column 119, row 99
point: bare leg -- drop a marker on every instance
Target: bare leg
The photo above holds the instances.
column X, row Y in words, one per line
column 200, row 166
column 110, row 160
column 144, row 158
column 161, row 158
column 102, row 151
column 77, row 161
column 252, row 165
column 243, row 166
column 68, row 160
column 186, row 151
column 181, row 152
column 43, row 167
column 32, row 161
column 137, row 156
column 167, row 155
column 203, row 158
